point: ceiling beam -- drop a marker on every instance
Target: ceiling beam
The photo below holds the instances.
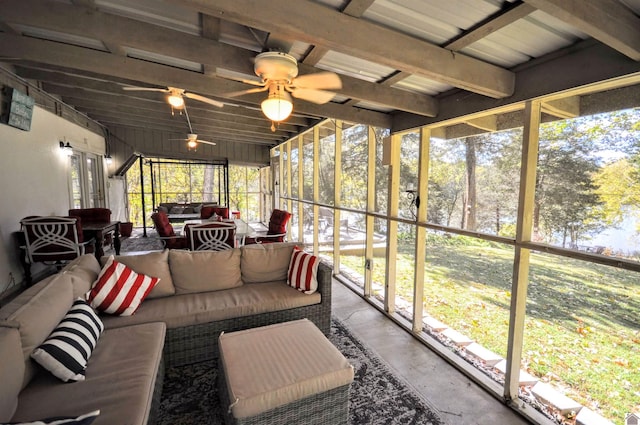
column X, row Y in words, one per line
column 584, row 68
column 568, row 107
column 608, row 21
column 487, row 123
column 76, row 86
column 508, row 15
column 210, row 53
column 111, row 119
column 180, row 124
column 84, row 99
column 317, row 24
column 161, row 75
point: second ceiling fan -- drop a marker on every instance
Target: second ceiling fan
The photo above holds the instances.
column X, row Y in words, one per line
column 279, row 76
column 176, row 96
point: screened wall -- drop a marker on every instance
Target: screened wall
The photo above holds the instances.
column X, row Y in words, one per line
column 508, row 242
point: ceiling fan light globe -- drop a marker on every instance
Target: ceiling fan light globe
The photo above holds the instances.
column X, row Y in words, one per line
column 277, row 109
column 176, row 101
column 192, row 144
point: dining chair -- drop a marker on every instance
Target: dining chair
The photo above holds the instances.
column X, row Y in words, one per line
column 52, row 240
column 94, row 215
column 277, row 231
column 213, row 236
column 166, row 232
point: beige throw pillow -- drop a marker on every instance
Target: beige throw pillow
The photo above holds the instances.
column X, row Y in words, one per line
column 154, row 264
column 204, row 271
column 267, row 262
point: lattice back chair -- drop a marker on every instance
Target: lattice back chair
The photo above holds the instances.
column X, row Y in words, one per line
column 53, row 240
column 214, row 236
column 277, row 231
column 166, row 233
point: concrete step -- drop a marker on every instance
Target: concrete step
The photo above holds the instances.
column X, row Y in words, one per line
column 457, row 338
column 487, row 356
column 589, row 417
column 548, row 395
column 434, row 324
column 525, row 379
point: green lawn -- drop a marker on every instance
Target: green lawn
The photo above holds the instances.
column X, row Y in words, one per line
column 582, row 331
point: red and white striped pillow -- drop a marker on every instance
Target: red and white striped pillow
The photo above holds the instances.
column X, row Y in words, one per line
column 303, row 271
column 119, row 290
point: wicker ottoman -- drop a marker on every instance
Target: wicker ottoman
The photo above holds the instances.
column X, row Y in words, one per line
column 283, row 374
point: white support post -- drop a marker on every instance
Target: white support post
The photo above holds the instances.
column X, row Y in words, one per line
column 521, row 258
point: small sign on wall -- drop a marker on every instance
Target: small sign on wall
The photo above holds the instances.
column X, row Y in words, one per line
column 17, row 108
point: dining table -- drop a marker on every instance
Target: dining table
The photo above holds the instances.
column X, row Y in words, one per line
column 243, row 230
column 99, row 230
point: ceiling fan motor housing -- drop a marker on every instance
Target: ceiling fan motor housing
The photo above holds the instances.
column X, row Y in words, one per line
column 276, row 66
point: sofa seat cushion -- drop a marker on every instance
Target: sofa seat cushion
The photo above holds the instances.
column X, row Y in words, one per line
column 120, row 380
column 204, row 307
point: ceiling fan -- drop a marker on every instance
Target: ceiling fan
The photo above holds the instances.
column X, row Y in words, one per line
column 176, row 96
column 192, row 138
column 279, row 76
column 192, row 141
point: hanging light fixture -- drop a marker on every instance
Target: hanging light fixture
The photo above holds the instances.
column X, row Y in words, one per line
column 278, row 105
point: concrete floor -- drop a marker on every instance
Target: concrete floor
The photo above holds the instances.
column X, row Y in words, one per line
column 459, row 399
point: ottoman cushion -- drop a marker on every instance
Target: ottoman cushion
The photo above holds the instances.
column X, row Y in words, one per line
column 275, row 365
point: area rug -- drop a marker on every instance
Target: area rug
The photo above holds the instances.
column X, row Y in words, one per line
column 139, row 243
column 377, row 395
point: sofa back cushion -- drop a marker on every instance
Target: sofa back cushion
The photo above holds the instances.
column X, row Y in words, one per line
column 11, row 372
column 154, row 264
column 204, row 271
column 84, row 271
column 266, row 262
column 37, row 311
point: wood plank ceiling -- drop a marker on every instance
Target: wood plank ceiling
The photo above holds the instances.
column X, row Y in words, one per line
column 402, row 62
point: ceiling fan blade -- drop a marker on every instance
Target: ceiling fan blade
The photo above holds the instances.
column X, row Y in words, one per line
column 206, row 142
column 319, row 80
column 133, row 88
column 316, row 96
column 204, row 99
column 248, row 91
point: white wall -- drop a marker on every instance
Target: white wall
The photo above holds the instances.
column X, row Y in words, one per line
column 34, row 177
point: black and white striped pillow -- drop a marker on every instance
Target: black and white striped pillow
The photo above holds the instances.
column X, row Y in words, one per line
column 86, row 419
column 66, row 351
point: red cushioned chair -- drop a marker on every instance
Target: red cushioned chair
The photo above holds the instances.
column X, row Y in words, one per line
column 277, row 231
column 167, row 234
column 94, row 215
column 207, row 212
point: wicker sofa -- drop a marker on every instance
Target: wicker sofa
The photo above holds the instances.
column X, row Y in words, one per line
column 200, row 294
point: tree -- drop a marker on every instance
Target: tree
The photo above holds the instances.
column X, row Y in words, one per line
column 565, row 202
column 618, row 186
